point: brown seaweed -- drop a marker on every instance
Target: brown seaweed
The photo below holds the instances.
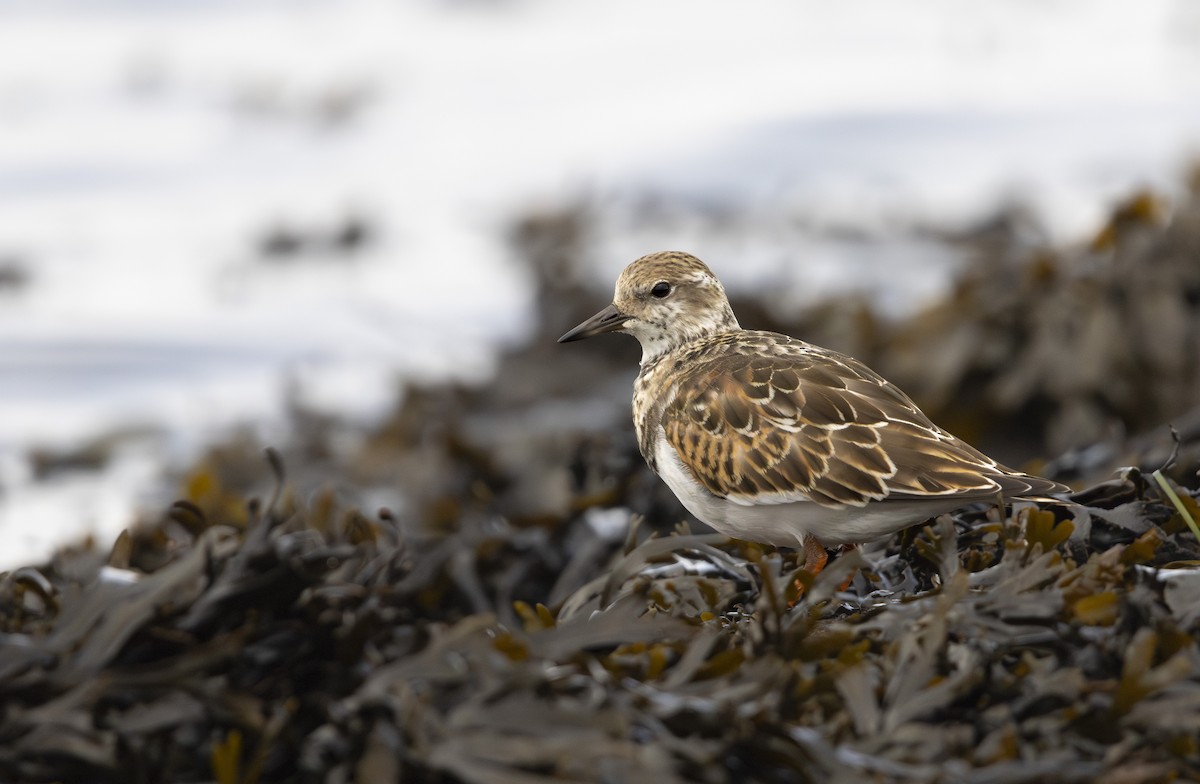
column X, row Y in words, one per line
column 277, row 653
column 499, row 627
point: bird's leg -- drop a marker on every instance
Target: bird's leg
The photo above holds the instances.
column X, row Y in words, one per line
column 848, row 548
column 815, row 556
column 814, row 561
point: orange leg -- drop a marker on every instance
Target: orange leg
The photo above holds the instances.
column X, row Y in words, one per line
column 847, row 548
column 815, row 556
column 814, row 561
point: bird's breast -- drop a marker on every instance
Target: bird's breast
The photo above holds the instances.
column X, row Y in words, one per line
column 652, row 391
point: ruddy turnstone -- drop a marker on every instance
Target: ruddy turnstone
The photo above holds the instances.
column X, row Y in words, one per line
column 774, row 440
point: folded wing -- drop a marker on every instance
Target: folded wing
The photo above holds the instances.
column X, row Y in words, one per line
column 796, row 422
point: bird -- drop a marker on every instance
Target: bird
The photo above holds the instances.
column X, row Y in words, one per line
column 770, row 439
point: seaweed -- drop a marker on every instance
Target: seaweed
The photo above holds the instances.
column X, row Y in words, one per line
column 529, row 607
column 982, row 647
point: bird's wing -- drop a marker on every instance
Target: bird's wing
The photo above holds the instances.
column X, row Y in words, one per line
column 790, row 424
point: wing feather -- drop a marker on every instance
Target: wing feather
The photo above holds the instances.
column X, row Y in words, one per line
column 795, row 422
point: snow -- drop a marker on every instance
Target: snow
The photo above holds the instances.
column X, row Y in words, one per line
column 146, row 148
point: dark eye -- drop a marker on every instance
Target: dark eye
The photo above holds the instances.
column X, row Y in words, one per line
column 661, row 289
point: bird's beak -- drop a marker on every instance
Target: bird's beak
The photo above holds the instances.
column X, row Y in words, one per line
column 608, row 320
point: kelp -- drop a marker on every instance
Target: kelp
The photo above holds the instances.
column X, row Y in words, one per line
column 1053, row 644
column 533, row 611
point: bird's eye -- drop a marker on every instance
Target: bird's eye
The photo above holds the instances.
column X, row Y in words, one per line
column 661, row 289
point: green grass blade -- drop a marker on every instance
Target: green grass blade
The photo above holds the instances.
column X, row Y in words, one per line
column 1183, row 511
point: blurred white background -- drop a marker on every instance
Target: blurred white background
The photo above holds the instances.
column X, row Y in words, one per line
column 204, row 205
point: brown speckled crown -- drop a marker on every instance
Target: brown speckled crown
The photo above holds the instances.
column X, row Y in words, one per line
column 696, row 307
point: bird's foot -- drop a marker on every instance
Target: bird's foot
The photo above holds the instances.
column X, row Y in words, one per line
column 848, row 548
column 815, row 558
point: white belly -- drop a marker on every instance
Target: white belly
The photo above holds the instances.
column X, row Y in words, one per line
column 786, row 525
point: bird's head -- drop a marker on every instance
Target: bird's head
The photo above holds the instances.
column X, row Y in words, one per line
column 664, row 300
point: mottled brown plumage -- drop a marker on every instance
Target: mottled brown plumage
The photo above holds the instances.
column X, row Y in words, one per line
column 793, row 421
column 768, row 438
